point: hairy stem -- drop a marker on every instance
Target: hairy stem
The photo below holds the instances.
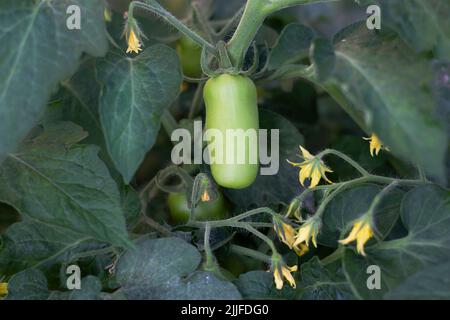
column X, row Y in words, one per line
column 346, row 158
column 208, row 252
column 156, row 8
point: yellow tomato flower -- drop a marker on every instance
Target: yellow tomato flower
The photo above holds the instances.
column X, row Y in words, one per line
column 134, row 44
column 308, row 232
column 301, row 249
column 311, row 168
column 107, row 15
column 281, row 271
column 205, row 196
column 3, row 289
column 285, row 232
column 375, row 144
column 184, row 86
column 361, row 232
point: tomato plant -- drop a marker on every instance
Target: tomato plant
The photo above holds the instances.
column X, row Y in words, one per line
column 209, row 149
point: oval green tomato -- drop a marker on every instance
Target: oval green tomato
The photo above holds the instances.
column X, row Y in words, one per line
column 190, row 55
column 205, row 211
column 231, row 103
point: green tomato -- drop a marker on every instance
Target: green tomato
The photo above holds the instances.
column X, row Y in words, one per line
column 231, row 103
column 237, row 264
column 179, row 8
column 190, row 55
column 205, row 211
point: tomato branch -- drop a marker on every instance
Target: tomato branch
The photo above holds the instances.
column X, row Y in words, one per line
column 156, row 8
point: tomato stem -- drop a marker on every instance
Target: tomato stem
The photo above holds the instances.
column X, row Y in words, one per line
column 255, row 13
column 250, row 253
column 156, row 8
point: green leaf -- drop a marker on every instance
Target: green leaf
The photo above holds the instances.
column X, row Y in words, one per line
column 318, row 283
column 91, row 288
column 134, row 95
column 423, row 24
column 323, row 57
column 386, row 88
column 292, row 45
column 131, row 204
column 282, row 187
column 432, row 283
column 153, row 263
column 77, row 101
column 425, row 212
column 80, row 102
column 198, row 286
column 38, row 51
column 352, row 204
column 31, row 284
column 31, row 243
column 67, row 188
column 259, row 285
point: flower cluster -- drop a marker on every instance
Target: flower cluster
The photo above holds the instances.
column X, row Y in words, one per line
column 312, row 168
column 133, row 35
column 281, row 270
column 375, row 144
column 361, row 232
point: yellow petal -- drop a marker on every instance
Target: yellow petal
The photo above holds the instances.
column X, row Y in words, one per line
column 278, row 279
column 315, row 177
column 364, row 234
column 301, row 249
column 377, row 149
column 326, row 178
column 314, row 237
column 3, row 288
column 286, row 234
column 325, row 169
column 305, row 172
column 306, row 154
column 352, row 236
column 303, row 234
column 205, row 196
column 288, row 276
column 294, row 164
column 107, row 15
column 134, row 45
column 375, row 144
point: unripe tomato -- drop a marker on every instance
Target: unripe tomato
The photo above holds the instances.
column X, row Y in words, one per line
column 179, row 8
column 205, row 211
column 190, row 55
column 237, row 264
column 231, row 103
